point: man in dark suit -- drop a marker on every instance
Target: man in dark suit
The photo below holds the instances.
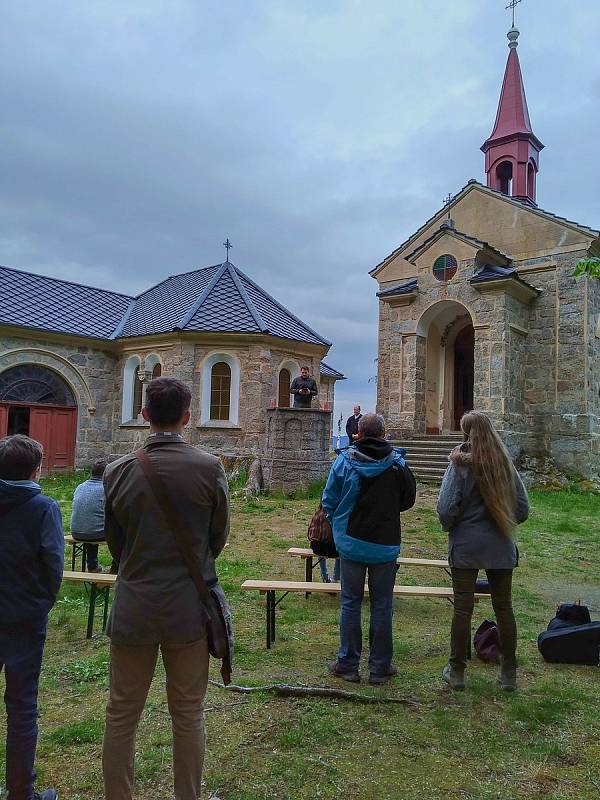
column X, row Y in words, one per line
column 352, row 425
column 156, row 604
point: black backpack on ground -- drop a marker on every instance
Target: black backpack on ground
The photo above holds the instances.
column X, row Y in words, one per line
column 571, row 637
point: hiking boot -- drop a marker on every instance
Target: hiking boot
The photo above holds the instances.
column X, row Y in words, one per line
column 379, row 678
column 455, row 678
column 98, row 570
column 507, row 679
column 47, row 794
column 339, row 672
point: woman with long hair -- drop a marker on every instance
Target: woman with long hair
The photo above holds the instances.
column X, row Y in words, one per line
column 481, row 502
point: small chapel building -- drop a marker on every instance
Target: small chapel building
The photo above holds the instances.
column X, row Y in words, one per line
column 479, row 309
column 75, row 362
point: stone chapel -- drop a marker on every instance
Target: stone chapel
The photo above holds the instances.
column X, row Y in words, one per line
column 478, row 308
column 75, row 361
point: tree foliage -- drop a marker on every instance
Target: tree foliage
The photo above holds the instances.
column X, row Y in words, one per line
column 588, row 266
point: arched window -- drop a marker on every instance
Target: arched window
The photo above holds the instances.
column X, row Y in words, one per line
column 153, row 366
column 504, row 177
column 132, row 390
column 531, row 181
column 283, row 392
column 444, row 267
column 220, row 390
column 30, row 383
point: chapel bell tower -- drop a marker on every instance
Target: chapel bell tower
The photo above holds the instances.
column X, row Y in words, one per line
column 512, row 150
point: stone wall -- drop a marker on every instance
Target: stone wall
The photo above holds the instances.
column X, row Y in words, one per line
column 95, row 376
column 537, row 366
column 296, row 452
column 88, row 371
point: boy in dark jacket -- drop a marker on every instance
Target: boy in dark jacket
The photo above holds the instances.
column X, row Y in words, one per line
column 31, row 555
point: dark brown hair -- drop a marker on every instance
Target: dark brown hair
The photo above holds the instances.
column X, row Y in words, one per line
column 98, row 468
column 167, row 400
column 20, row 456
column 492, row 469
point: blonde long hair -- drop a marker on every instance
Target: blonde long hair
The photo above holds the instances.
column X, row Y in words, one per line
column 492, row 467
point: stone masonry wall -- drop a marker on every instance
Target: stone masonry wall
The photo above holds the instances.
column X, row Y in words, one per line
column 296, row 452
column 259, row 376
column 88, row 371
column 537, row 366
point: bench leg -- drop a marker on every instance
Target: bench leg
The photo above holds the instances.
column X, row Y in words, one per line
column 73, row 556
column 92, row 609
column 308, row 568
column 105, row 613
column 83, row 558
column 270, row 618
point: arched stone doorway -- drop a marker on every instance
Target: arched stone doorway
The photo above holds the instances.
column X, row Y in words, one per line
column 449, row 335
column 37, row 402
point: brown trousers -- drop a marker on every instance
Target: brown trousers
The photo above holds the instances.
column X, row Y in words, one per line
column 131, row 673
column 463, row 583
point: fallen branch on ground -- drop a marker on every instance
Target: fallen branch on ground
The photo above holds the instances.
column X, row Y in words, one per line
column 286, row 690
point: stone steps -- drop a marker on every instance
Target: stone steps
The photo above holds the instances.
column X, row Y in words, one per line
column 427, row 456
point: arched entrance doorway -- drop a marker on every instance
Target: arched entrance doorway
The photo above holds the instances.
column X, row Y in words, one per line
column 37, row 402
column 449, row 370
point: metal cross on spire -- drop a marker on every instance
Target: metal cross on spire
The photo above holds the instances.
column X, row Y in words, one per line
column 227, row 245
column 447, row 201
column 512, row 5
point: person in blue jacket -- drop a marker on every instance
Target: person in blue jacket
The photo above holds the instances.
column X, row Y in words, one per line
column 369, row 484
column 31, row 555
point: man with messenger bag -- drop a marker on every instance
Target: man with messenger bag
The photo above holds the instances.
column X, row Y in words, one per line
column 167, row 520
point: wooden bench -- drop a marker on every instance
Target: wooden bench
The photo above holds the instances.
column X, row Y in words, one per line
column 307, row 554
column 79, row 550
column 100, row 585
column 269, row 587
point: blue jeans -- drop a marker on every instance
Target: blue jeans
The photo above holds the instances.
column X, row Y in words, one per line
column 325, row 573
column 381, row 579
column 21, row 651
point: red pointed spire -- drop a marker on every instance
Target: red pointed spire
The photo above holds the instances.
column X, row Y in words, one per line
column 512, row 150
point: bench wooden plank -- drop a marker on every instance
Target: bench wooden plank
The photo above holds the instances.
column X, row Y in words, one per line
column 328, row 588
column 99, row 584
column 107, row 579
column 442, row 563
column 70, row 540
column 271, row 586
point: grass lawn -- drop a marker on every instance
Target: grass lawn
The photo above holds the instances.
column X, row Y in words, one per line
column 541, row 742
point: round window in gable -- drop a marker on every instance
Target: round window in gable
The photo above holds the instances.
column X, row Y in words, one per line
column 444, row 267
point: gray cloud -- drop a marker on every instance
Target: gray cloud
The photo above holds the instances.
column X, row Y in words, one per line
column 317, row 135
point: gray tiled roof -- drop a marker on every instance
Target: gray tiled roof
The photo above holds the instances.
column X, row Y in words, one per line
column 329, row 372
column 35, row 301
column 403, row 288
column 219, row 298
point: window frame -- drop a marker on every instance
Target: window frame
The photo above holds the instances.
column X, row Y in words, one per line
column 206, row 390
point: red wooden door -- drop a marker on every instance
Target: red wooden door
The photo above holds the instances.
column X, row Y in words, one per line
column 40, row 427
column 55, row 429
column 3, row 420
column 64, row 423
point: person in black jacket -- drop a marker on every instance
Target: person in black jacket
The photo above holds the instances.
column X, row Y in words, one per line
column 31, row 553
column 367, row 488
column 352, row 425
column 304, row 389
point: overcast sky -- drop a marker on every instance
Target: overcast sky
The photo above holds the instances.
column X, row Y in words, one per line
column 136, row 135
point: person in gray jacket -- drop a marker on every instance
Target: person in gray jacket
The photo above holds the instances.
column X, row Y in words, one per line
column 156, row 604
column 482, row 500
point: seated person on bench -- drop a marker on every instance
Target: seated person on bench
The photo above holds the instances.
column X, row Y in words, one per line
column 87, row 517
